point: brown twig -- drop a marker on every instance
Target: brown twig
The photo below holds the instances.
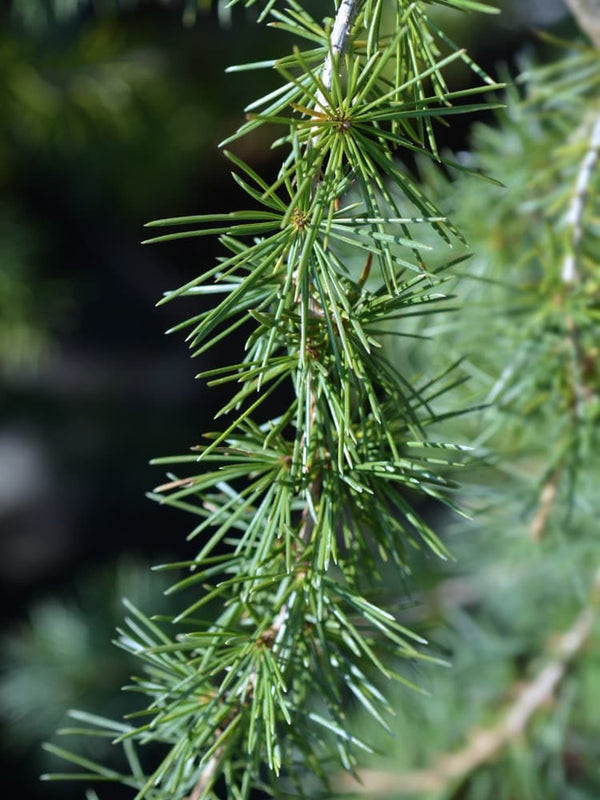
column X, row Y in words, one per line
column 544, row 509
column 587, row 14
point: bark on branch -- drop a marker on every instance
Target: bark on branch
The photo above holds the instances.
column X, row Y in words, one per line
column 570, row 269
column 587, row 14
column 340, row 33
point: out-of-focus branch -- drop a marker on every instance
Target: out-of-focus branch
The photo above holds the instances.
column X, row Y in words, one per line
column 484, row 744
column 544, row 509
column 587, row 14
column 570, row 271
column 207, row 776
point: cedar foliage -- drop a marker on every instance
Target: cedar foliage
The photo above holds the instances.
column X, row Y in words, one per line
column 300, row 517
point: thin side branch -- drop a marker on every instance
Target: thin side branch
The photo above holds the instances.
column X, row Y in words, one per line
column 486, row 743
column 587, row 14
column 570, row 272
column 544, row 509
column 340, row 33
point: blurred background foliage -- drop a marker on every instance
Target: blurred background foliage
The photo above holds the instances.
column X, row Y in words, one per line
column 111, row 114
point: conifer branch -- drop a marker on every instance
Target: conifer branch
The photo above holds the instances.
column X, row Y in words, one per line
column 485, row 744
column 570, row 275
column 258, row 690
column 338, row 42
